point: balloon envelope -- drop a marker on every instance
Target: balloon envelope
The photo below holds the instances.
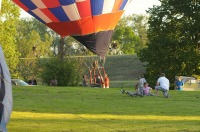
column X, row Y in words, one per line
column 0, row 5
column 85, row 20
column 5, row 93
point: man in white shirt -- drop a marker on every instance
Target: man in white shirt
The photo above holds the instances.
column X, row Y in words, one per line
column 162, row 85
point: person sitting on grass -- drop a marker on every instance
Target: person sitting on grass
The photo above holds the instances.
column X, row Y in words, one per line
column 138, row 87
column 147, row 90
column 133, row 94
column 53, row 82
column 32, row 81
column 84, row 82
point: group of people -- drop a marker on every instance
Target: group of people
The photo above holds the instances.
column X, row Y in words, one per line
column 33, row 81
column 98, row 81
column 143, row 89
column 97, row 76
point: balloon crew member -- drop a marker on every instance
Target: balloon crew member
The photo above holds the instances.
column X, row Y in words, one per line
column 107, row 81
column 98, row 80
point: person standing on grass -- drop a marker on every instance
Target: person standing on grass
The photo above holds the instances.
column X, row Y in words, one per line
column 179, row 83
column 107, row 81
column 140, row 84
column 162, row 85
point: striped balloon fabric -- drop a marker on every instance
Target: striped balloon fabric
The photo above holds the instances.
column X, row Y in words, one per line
column 5, row 93
column 78, row 17
column 0, row 5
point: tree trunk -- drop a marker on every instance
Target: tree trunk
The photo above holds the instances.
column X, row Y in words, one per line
column 61, row 49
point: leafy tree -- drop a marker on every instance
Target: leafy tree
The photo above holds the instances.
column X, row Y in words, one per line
column 26, row 25
column 41, row 29
column 28, row 68
column 8, row 15
column 174, row 40
column 32, row 43
column 74, row 47
column 139, row 23
column 33, row 39
column 71, row 47
column 128, row 34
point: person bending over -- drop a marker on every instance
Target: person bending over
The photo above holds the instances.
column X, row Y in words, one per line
column 162, row 85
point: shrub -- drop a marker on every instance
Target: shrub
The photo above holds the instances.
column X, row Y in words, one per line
column 68, row 72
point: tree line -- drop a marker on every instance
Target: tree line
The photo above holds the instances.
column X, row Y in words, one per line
column 173, row 45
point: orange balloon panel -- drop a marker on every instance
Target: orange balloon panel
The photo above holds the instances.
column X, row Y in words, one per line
column 86, row 25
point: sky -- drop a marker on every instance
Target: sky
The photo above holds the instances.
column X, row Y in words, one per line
column 135, row 7
column 140, row 6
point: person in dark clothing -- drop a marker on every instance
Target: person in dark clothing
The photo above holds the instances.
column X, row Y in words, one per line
column 53, row 82
column 179, row 83
column 32, row 81
column 97, row 82
column 84, row 82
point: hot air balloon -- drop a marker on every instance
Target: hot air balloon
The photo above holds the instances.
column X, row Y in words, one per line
column 0, row 5
column 91, row 22
column 5, row 93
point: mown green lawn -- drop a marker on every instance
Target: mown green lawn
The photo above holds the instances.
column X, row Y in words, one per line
column 78, row 109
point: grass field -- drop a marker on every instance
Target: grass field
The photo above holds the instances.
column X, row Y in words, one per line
column 78, row 109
